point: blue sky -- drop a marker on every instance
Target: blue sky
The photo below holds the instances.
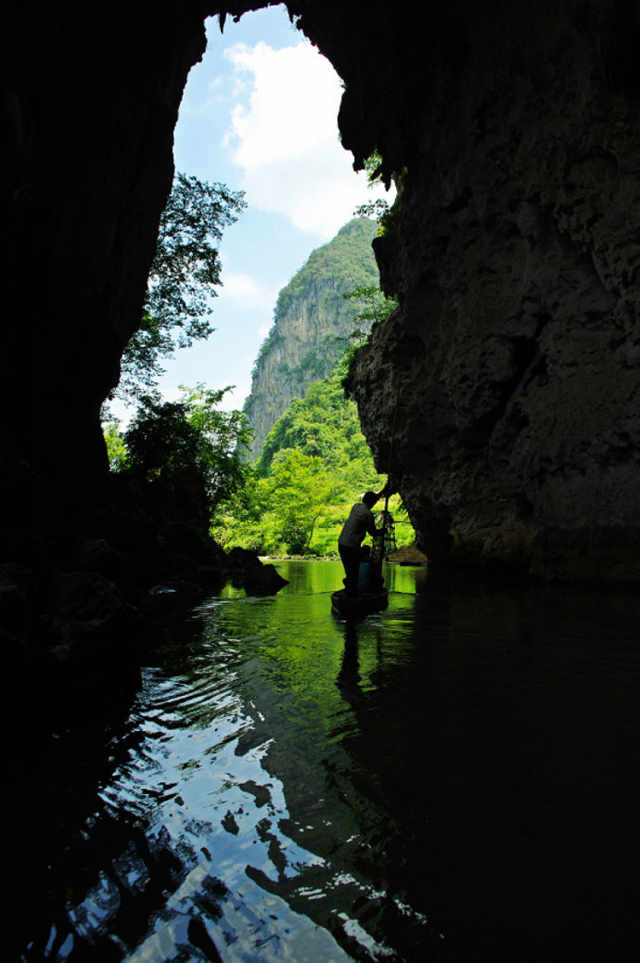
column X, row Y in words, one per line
column 259, row 114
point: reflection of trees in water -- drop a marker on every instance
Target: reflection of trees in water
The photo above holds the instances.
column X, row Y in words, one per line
column 407, row 579
column 245, row 671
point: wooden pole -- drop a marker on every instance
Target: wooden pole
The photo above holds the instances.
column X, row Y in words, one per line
column 393, row 438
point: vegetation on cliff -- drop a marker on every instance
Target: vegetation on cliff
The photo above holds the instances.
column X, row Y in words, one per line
column 313, row 325
column 315, row 463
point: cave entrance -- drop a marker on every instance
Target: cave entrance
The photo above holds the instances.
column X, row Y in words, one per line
column 259, row 114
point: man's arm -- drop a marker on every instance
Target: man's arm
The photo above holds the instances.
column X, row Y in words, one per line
column 371, row 526
column 389, row 488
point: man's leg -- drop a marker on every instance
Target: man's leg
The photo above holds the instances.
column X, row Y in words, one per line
column 351, row 561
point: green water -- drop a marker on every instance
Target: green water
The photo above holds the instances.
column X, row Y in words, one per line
column 455, row 778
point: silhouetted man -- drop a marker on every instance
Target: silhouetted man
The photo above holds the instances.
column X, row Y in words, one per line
column 359, row 524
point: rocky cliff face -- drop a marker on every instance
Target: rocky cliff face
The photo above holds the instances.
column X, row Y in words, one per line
column 514, row 358
column 312, row 325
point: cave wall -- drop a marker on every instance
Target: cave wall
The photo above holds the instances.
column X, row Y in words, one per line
column 89, row 104
column 511, row 366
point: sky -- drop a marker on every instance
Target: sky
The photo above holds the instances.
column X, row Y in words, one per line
column 259, row 114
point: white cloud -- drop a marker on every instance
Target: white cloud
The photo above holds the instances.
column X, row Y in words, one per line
column 245, row 291
column 284, row 138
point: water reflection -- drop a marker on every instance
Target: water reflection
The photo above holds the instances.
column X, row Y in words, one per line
column 454, row 778
column 348, row 680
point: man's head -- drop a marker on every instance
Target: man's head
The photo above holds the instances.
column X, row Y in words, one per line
column 369, row 499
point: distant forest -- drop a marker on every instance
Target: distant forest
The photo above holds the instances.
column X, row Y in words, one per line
column 314, row 465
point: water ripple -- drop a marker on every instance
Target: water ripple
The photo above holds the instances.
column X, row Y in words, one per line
column 452, row 779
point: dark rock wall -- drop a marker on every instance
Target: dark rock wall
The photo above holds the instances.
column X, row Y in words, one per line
column 90, row 100
column 514, row 357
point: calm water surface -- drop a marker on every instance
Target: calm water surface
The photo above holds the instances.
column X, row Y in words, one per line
column 456, row 779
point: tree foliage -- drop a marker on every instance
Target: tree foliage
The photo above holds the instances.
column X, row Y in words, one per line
column 372, row 307
column 189, row 446
column 379, row 209
column 278, row 513
column 326, row 425
column 314, row 464
column 116, row 450
column 300, row 487
column 182, row 280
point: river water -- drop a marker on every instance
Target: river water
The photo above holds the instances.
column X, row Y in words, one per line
column 456, row 778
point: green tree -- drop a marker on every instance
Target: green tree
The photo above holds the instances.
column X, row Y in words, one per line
column 116, row 449
column 301, row 488
column 378, row 210
column 188, row 447
column 182, row 280
column 373, row 307
column 277, row 513
column 224, row 436
column 314, row 462
column 324, row 424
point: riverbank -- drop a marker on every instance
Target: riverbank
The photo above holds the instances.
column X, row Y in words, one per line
column 407, row 555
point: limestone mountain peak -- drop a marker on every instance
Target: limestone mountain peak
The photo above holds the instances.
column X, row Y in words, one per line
column 312, row 324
